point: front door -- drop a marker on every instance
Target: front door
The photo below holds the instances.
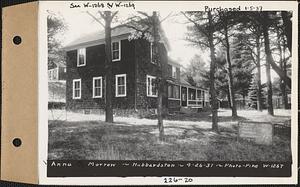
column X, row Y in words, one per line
column 183, row 96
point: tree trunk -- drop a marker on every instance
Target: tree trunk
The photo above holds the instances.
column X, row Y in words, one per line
column 213, row 94
column 228, row 97
column 269, row 59
column 287, row 29
column 258, row 75
column 230, row 79
column 283, row 84
column 160, row 76
column 268, row 51
column 244, row 101
column 108, row 68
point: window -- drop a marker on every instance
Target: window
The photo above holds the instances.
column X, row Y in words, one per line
column 76, row 88
column 121, row 85
column 97, row 87
column 116, row 51
column 151, row 53
column 53, row 74
column 81, row 57
column 151, row 86
column 173, row 92
column 173, row 71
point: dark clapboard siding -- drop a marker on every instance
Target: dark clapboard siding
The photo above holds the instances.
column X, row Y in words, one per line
column 145, row 67
column 95, row 67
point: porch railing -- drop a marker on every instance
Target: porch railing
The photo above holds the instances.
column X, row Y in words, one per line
column 195, row 103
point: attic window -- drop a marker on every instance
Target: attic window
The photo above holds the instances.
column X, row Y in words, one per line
column 81, row 57
column 116, row 51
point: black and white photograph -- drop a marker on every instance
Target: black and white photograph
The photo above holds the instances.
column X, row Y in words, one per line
column 154, row 87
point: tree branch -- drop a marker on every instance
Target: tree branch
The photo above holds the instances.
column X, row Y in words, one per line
column 96, row 19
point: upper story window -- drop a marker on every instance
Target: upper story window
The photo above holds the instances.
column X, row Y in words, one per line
column 151, row 86
column 81, row 57
column 76, row 88
column 174, row 72
column 151, row 53
column 97, row 87
column 121, row 85
column 116, row 50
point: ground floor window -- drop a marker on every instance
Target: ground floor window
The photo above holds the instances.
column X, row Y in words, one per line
column 121, row 85
column 76, row 88
column 151, row 86
column 97, row 87
column 174, row 92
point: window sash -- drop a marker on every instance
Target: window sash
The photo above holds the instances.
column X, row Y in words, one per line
column 121, row 85
column 76, row 88
column 151, row 86
column 97, row 87
column 116, row 50
column 81, row 57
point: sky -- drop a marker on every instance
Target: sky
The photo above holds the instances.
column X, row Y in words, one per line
column 80, row 23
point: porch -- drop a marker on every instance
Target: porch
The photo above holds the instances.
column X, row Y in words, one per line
column 188, row 96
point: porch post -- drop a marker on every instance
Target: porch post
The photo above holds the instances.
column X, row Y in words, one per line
column 187, row 96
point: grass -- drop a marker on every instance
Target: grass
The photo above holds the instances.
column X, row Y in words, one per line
column 187, row 137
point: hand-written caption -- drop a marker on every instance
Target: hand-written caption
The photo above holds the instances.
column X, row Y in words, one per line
column 174, row 165
column 110, row 5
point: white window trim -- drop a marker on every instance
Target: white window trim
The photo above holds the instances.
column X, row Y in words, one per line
column 76, row 80
column 151, row 78
column 80, row 65
column 119, row 42
column 97, row 78
column 125, row 81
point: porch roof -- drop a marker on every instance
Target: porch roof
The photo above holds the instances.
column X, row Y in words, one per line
column 185, row 84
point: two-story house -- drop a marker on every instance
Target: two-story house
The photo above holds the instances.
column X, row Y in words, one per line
column 134, row 72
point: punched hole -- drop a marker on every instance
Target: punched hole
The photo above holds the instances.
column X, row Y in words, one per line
column 17, row 40
column 17, row 142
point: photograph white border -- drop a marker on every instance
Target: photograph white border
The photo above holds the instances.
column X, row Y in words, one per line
column 166, row 6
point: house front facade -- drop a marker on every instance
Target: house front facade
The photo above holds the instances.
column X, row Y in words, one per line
column 134, row 72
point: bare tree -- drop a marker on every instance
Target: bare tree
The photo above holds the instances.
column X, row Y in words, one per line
column 108, row 17
column 149, row 27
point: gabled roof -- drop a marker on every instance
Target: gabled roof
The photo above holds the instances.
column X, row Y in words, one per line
column 98, row 37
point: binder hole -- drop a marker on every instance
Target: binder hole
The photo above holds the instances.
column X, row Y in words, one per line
column 17, row 142
column 17, row 40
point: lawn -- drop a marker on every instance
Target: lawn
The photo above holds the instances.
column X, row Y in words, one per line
column 187, row 137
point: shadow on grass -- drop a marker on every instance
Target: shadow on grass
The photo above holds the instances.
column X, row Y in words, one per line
column 201, row 116
column 103, row 141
